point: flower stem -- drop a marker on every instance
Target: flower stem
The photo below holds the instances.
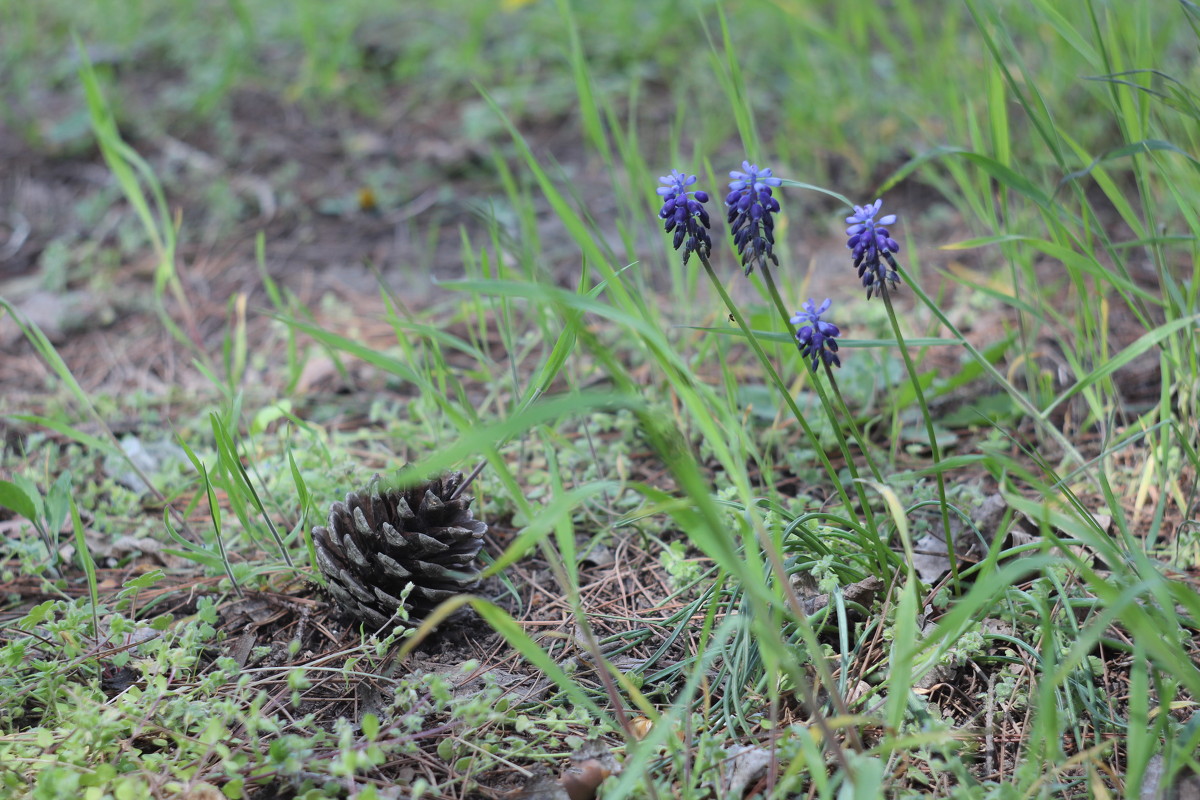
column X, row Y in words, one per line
column 854, row 430
column 859, row 489
column 773, row 555
column 757, row 347
column 934, row 449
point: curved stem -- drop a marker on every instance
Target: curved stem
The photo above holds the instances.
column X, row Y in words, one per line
column 859, row 489
column 773, row 555
column 757, row 347
column 854, row 430
column 935, row 451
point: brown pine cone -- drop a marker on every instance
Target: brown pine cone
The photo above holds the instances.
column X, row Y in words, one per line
column 381, row 541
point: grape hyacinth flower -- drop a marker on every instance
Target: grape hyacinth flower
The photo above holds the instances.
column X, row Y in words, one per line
column 751, row 205
column 872, row 245
column 684, row 213
column 817, row 338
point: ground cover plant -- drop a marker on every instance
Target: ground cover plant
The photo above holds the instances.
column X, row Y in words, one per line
column 554, row 399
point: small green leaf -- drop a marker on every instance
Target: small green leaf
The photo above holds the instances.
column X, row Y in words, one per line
column 58, row 503
column 983, row 411
column 905, row 644
column 263, row 419
column 298, row 481
column 445, row 749
column 917, row 434
column 143, row 581
column 865, row 779
column 14, row 498
column 88, row 563
column 210, row 560
column 38, row 614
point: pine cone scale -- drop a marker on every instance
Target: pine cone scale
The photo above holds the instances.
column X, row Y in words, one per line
column 457, row 535
column 435, row 596
column 353, row 553
column 427, row 544
column 394, row 538
column 430, row 503
column 391, row 567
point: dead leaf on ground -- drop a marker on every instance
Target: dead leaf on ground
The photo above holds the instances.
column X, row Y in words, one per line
column 971, row 542
column 746, row 765
column 864, row 593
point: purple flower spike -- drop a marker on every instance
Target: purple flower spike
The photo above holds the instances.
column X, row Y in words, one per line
column 872, row 245
column 683, row 212
column 750, row 205
column 817, row 338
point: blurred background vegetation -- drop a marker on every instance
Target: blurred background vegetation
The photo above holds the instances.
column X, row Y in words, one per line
column 838, row 91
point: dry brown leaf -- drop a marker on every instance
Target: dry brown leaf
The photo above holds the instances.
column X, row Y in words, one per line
column 640, row 727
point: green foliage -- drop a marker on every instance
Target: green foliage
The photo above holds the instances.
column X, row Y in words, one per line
column 606, row 409
column 46, row 513
column 166, row 729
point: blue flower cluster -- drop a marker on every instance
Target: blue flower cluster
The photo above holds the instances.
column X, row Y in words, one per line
column 750, row 206
column 817, row 338
column 872, row 245
column 684, row 213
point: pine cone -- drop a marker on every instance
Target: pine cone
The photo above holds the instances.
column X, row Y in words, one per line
column 382, row 540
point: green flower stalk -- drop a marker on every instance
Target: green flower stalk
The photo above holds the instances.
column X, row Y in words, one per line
column 873, row 246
